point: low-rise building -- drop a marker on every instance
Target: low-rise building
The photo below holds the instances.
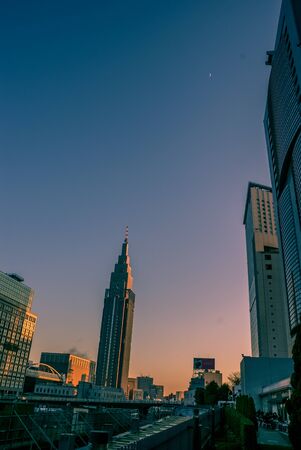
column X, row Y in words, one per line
column 213, row 375
column 137, row 395
column 55, row 390
column 189, row 397
column 157, row 392
column 179, row 396
column 40, row 374
column 274, row 397
column 145, row 383
column 95, row 392
column 74, row 368
column 131, row 386
column 258, row 372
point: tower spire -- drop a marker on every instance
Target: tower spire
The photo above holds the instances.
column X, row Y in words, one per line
column 126, row 236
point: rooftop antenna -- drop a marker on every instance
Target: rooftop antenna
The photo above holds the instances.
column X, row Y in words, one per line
column 126, row 233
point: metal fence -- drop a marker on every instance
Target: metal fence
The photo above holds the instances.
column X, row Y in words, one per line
column 42, row 430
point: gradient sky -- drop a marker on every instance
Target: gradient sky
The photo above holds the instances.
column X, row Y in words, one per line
column 145, row 113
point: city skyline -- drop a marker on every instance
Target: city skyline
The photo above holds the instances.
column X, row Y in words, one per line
column 131, row 123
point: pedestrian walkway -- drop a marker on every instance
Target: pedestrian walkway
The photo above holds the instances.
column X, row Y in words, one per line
column 272, row 437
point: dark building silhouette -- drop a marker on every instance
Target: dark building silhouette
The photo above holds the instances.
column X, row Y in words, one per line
column 283, row 135
column 116, row 327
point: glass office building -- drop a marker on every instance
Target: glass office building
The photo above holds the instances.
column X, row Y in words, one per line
column 283, row 136
column 17, row 326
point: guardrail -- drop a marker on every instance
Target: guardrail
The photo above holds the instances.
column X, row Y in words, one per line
column 176, row 432
column 44, row 429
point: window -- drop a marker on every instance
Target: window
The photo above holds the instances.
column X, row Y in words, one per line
column 268, row 266
column 269, row 277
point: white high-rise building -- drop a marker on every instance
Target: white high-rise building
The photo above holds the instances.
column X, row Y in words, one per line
column 267, row 296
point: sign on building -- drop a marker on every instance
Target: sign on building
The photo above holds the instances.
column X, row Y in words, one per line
column 203, row 363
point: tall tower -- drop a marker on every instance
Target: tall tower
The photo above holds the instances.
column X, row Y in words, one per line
column 283, row 135
column 267, row 299
column 116, row 327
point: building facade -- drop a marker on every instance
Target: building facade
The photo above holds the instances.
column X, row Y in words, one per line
column 116, row 327
column 267, row 294
column 283, row 135
column 157, row 392
column 214, row 375
column 55, row 390
column 74, row 368
column 132, row 384
column 17, row 326
column 93, row 392
column 257, row 373
column 136, row 395
column 145, row 383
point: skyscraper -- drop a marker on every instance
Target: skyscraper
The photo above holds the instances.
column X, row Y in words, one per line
column 283, row 136
column 267, row 299
column 17, row 325
column 116, row 327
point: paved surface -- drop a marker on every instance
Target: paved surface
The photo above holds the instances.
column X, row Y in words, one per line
column 272, row 437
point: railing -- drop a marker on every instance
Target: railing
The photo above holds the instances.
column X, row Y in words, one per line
column 43, row 430
column 176, row 432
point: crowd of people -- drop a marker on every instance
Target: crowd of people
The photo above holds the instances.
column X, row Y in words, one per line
column 270, row 420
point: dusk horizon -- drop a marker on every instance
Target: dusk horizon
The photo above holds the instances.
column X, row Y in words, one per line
column 149, row 115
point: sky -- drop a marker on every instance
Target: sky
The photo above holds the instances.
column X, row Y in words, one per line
column 146, row 113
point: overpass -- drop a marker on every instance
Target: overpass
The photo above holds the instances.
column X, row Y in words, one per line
column 77, row 402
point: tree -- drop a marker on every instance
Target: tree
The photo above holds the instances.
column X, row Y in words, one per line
column 246, row 406
column 211, row 393
column 234, row 379
column 199, row 396
column 293, row 405
column 224, row 392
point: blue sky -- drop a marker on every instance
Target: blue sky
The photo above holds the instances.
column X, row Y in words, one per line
column 140, row 113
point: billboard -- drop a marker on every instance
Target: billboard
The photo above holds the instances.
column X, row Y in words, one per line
column 203, row 363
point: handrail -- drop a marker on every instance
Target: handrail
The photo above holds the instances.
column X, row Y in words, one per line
column 25, row 427
column 43, row 433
